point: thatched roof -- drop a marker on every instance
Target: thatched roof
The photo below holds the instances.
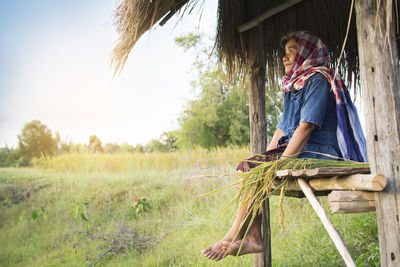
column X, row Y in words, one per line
column 325, row 18
column 133, row 18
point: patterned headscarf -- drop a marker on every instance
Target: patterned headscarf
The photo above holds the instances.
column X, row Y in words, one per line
column 312, row 57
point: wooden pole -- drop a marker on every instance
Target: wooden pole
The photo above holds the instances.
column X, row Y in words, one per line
column 333, row 233
column 381, row 100
column 258, row 125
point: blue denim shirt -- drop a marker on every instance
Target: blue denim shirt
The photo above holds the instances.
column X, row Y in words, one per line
column 314, row 103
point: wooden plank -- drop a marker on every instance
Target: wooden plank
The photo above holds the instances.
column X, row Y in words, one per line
column 354, row 182
column 333, row 233
column 380, row 81
column 322, row 172
column 357, row 182
column 352, row 206
column 269, row 13
column 345, row 196
column 284, row 173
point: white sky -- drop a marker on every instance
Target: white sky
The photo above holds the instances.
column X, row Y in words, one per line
column 54, row 67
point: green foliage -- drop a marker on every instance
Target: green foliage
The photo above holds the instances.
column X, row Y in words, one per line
column 189, row 41
column 35, row 214
column 218, row 116
column 370, row 258
column 155, row 145
column 21, row 217
column 139, row 207
column 80, row 209
column 10, row 157
column 36, row 140
column 126, row 148
column 183, row 222
column 169, row 140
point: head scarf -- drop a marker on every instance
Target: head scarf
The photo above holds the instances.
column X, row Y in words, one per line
column 312, row 57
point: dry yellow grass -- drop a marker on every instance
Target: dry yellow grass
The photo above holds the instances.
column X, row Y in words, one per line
column 122, row 162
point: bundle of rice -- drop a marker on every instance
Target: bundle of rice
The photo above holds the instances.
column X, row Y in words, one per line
column 257, row 184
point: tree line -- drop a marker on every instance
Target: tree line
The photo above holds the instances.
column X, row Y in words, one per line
column 218, row 115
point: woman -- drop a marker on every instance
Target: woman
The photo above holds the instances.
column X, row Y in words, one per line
column 318, row 119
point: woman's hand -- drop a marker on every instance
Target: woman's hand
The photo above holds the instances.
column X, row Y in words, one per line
column 299, row 139
column 277, row 135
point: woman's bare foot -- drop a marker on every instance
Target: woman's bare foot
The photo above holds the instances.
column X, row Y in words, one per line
column 218, row 250
column 251, row 244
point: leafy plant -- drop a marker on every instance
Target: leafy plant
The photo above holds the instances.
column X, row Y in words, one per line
column 370, row 258
column 21, row 217
column 35, row 214
column 139, row 206
column 80, row 209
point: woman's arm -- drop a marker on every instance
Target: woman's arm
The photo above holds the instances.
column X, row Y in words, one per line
column 299, row 139
column 277, row 135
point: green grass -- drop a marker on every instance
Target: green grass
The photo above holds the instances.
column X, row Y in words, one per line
column 178, row 221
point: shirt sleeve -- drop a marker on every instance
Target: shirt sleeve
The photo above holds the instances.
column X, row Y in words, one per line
column 282, row 118
column 316, row 99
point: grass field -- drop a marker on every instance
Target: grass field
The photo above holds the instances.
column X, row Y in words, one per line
column 133, row 217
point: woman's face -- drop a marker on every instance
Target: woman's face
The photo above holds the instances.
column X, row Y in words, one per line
column 290, row 54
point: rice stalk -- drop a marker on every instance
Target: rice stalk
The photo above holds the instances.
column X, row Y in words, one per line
column 257, row 185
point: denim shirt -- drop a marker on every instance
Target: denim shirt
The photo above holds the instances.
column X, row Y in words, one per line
column 314, row 103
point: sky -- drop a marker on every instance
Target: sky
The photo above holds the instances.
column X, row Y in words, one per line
column 55, row 67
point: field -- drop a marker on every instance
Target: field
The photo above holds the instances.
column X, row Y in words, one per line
column 112, row 210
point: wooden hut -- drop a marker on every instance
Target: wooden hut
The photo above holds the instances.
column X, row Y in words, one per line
column 248, row 34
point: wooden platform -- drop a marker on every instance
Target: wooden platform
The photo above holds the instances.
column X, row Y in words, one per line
column 349, row 190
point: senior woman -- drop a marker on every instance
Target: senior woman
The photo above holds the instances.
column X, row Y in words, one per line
column 318, row 121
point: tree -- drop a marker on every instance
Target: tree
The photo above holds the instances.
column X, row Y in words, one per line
column 155, row 145
column 94, row 144
column 36, row 140
column 219, row 114
column 169, row 140
column 126, row 148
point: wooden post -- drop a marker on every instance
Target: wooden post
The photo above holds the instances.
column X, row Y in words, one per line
column 258, row 125
column 380, row 95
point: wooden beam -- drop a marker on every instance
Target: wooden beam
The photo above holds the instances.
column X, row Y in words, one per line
column 337, row 196
column 358, row 182
column 380, row 84
column 269, row 13
column 351, row 201
column 333, row 233
column 352, row 207
column 354, row 182
column 322, row 172
column 173, row 10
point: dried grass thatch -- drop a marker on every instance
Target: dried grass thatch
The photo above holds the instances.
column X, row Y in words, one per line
column 325, row 18
column 133, row 18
